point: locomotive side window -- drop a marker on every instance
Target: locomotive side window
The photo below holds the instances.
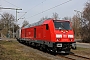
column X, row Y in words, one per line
column 47, row 27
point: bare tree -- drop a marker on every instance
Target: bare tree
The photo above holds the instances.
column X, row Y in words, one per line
column 67, row 18
column 55, row 16
column 76, row 26
column 7, row 19
column 44, row 18
column 25, row 23
column 86, row 23
column 6, row 22
column 86, row 12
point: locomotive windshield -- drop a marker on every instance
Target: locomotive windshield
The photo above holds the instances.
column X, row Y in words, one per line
column 62, row 25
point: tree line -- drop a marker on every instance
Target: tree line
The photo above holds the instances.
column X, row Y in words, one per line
column 81, row 23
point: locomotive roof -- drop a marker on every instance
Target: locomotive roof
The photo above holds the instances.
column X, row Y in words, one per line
column 41, row 22
column 37, row 23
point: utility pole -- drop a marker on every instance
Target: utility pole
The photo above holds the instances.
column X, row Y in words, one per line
column 16, row 16
column 17, row 12
column 16, row 21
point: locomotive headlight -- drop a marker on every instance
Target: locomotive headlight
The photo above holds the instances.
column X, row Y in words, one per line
column 70, row 36
column 58, row 36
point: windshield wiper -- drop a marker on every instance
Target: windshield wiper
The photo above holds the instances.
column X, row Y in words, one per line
column 63, row 26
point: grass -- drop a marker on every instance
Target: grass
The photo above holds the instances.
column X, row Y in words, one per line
column 12, row 50
column 82, row 51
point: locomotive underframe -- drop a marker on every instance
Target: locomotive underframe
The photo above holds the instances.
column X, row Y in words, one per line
column 64, row 47
column 56, row 47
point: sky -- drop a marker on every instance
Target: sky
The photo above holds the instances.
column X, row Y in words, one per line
column 35, row 7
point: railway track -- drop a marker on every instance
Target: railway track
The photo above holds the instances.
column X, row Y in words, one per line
column 74, row 57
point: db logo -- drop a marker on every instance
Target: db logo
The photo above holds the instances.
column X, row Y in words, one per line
column 65, row 36
column 29, row 33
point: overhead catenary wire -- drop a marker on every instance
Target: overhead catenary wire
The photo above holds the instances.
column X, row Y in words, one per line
column 11, row 3
column 50, row 8
column 36, row 5
column 27, row 10
column 33, row 8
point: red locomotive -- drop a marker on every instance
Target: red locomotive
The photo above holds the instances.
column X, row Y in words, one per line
column 51, row 35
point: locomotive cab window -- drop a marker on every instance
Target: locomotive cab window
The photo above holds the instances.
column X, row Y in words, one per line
column 65, row 25
column 47, row 27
